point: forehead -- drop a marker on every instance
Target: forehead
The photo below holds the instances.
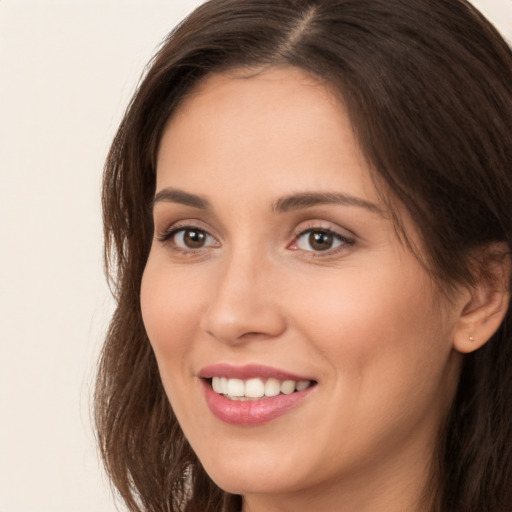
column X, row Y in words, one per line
column 277, row 123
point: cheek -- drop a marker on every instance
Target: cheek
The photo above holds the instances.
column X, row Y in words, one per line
column 387, row 358
column 362, row 310
column 378, row 331
column 169, row 304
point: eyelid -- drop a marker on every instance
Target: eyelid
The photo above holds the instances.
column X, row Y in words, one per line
column 340, row 234
column 173, row 232
column 165, row 235
column 163, row 229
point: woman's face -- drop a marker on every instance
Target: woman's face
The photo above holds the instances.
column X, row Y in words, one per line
column 275, row 261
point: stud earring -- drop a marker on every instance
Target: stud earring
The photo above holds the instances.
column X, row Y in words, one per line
column 471, row 339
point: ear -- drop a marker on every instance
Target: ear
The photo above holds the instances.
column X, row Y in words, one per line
column 486, row 303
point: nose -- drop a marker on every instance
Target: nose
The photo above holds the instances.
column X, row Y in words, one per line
column 244, row 304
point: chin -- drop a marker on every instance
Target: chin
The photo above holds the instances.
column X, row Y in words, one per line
column 253, row 475
column 255, row 481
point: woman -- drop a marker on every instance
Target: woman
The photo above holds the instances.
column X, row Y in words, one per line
column 309, row 205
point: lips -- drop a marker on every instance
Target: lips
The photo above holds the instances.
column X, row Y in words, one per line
column 248, row 372
column 252, row 394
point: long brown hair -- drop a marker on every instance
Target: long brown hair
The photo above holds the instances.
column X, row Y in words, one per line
column 428, row 85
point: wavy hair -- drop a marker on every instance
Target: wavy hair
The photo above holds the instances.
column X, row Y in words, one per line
column 428, row 87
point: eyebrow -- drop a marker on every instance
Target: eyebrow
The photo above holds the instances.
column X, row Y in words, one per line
column 172, row 195
column 284, row 204
column 310, row 199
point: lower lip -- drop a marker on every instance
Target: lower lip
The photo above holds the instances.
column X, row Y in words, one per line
column 251, row 412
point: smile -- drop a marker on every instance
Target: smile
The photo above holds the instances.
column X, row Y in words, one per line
column 256, row 388
column 252, row 395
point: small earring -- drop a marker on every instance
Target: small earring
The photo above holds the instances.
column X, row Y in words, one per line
column 471, row 339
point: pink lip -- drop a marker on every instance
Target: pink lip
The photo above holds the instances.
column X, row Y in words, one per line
column 251, row 412
column 249, row 371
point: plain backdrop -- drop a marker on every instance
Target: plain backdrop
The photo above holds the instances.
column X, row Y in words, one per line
column 67, row 71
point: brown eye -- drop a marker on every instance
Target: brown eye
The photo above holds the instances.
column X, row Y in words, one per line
column 193, row 238
column 320, row 240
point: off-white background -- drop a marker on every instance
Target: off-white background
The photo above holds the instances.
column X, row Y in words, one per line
column 67, row 70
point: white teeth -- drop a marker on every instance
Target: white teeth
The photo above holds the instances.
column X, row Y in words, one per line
column 216, row 385
column 302, row 384
column 236, row 387
column 287, row 387
column 272, row 387
column 256, row 388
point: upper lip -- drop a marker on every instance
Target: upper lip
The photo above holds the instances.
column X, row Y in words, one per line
column 248, row 371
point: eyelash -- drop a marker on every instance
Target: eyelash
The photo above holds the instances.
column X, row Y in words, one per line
column 166, row 238
column 344, row 242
